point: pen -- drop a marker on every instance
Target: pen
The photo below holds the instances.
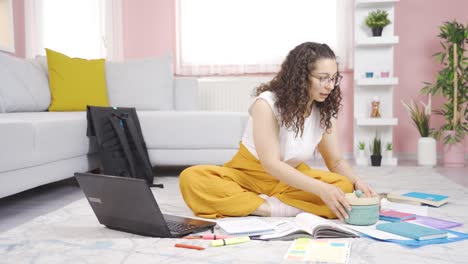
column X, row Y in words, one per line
column 189, row 246
column 207, row 237
column 229, row 241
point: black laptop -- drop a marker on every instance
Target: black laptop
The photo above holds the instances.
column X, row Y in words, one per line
column 127, row 204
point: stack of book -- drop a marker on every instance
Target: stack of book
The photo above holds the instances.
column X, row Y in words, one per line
column 417, row 198
column 414, row 226
column 395, row 216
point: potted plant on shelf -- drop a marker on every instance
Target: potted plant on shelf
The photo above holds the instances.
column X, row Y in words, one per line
column 376, row 150
column 452, row 83
column 377, row 20
column 389, row 151
column 362, row 149
column 427, row 155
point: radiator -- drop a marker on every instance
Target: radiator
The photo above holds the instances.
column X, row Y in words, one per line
column 228, row 94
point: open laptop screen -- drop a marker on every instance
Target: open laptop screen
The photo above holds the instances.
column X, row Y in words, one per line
column 127, row 204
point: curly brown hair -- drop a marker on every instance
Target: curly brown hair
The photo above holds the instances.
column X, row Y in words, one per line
column 291, row 87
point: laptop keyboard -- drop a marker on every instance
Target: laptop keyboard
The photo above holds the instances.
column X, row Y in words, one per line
column 178, row 227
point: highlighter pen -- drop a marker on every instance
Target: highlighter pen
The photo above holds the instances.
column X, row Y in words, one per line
column 207, row 237
column 229, row 241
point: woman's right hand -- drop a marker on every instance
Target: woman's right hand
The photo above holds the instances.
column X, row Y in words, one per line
column 335, row 199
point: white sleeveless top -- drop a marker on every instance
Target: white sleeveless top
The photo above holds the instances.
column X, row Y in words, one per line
column 293, row 150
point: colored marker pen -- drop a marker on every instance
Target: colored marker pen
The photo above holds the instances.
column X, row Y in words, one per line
column 189, row 246
column 229, row 241
column 208, row 237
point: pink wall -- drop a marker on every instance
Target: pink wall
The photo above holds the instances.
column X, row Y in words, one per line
column 417, row 24
column 413, row 60
column 345, row 124
column 148, row 28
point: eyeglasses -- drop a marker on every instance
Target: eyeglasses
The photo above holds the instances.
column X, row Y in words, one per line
column 327, row 80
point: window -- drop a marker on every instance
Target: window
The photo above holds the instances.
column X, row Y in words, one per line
column 77, row 28
column 7, row 40
column 253, row 36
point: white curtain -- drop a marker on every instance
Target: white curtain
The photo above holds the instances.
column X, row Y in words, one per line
column 254, row 36
column 345, row 33
column 7, row 32
column 113, row 30
column 78, row 28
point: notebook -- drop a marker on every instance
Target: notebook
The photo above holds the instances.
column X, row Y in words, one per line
column 246, row 226
column 127, row 204
column 394, row 216
column 319, row 250
column 436, row 223
column 412, row 231
column 418, row 197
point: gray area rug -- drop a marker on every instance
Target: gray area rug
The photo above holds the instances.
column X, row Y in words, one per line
column 73, row 235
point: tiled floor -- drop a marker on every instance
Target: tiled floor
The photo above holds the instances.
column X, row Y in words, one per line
column 20, row 208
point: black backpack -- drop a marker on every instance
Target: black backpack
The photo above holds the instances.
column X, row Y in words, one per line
column 121, row 147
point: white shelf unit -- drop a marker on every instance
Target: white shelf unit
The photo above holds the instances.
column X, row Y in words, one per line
column 381, row 82
column 373, row 54
column 377, row 41
column 374, row 2
column 376, row 121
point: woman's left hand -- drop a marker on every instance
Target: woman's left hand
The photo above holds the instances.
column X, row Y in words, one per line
column 360, row 184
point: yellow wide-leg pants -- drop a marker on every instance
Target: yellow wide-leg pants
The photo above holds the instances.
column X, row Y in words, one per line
column 232, row 189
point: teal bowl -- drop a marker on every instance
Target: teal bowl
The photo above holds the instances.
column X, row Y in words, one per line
column 363, row 215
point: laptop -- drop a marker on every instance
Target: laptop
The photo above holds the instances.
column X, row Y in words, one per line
column 127, row 204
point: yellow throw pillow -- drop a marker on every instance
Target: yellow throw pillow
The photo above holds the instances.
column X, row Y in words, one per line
column 75, row 83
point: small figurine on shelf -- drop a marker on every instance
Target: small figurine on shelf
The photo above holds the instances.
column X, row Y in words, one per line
column 385, row 74
column 375, row 107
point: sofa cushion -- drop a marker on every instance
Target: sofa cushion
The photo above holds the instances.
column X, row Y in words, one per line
column 146, row 84
column 186, row 94
column 192, row 129
column 23, row 86
column 52, row 136
column 75, row 82
column 32, row 139
column 40, row 62
column 151, row 82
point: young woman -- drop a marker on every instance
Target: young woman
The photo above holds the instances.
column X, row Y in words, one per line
column 292, row 115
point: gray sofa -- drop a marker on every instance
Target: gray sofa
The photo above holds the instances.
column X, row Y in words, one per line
column 39, row 147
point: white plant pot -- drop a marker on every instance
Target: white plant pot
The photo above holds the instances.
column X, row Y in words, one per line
column 389, row 154
column 362, row 154
column 427, row 154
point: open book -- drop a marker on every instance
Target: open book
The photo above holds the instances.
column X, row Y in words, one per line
column 308, row 225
